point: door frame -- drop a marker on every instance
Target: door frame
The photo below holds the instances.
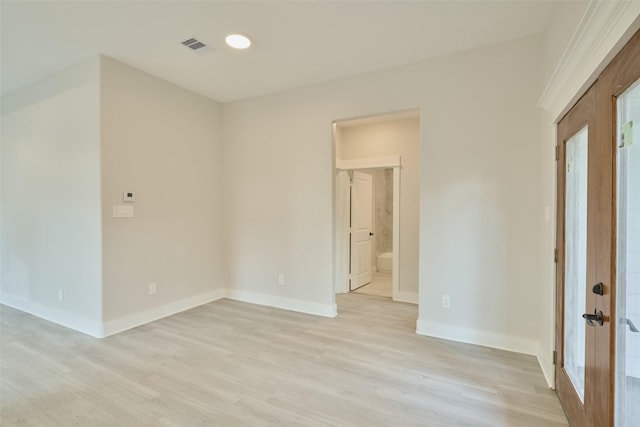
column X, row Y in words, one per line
column 619, row 74
column 343, row 210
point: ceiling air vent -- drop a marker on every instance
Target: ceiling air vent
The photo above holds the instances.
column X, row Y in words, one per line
column 196, row 45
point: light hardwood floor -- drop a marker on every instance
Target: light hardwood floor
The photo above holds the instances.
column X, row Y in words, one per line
column 235, row 364
column 381, row 285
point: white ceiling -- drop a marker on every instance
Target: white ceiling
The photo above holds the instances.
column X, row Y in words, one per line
column 295, row 43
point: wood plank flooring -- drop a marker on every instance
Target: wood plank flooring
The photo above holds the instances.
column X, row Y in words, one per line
column 381, row 285
column 229, row 363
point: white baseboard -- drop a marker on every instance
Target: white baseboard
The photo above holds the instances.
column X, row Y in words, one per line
column 122, row 324
column 324, row 310
column 101, row 330
column 475, row 336
column 406, row 297
column 53, row 314
column 548, row 370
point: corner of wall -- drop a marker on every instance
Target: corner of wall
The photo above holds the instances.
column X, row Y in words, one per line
column 409, row 297
column 50, row 140
column 547, row 367
column 163, row 142
column 284, row 303
column 137, row 319
column 52, row 314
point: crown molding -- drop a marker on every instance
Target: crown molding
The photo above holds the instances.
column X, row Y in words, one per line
column 605, row 28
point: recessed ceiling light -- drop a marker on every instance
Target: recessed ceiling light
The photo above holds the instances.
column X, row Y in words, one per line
column 238, row 41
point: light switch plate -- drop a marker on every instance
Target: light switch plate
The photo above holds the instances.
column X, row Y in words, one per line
column 120, row 211
column 446, row 301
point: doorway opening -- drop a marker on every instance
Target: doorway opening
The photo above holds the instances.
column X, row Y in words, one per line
column 376, row 215
column 370, row 217
column 371, row 246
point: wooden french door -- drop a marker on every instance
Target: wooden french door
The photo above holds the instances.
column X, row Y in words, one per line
column 587, row 242
column 578, row 171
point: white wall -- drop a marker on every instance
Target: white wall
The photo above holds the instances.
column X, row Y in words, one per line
column 480, row 217
column 385, row 139
column 163, row 143
column 565, row 18
column 547, row 286
column 563, row 21
column 51, row 198
column 479, row 224
column 71, row 145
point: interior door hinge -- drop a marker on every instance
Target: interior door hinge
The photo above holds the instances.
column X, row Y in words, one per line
column 555, row 256
column 555, row 357
column 557, row 153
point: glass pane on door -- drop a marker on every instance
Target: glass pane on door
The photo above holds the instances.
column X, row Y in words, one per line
column 627, row 392
column 575, row 262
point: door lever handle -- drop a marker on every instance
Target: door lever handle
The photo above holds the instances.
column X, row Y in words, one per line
column 630, row 323
column 596, row 316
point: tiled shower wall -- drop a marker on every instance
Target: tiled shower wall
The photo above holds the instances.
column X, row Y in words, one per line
column 384, row 210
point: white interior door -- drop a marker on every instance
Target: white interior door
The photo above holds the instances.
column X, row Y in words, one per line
column 361, row 222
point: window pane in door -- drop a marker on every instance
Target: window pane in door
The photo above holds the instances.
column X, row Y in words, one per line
column 627, row 392
column 575, row 274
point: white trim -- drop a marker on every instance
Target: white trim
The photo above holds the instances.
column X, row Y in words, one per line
column 369, row 163
column 478, row 337
column 53, row 314
column 605, row 28
column 548, row 370
column 101, row 330
column 341, row 233
column 546, row 363
column 395, row 262
column 343, row 229
column 324, row 310
column 127, row 322
column 410, row 297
